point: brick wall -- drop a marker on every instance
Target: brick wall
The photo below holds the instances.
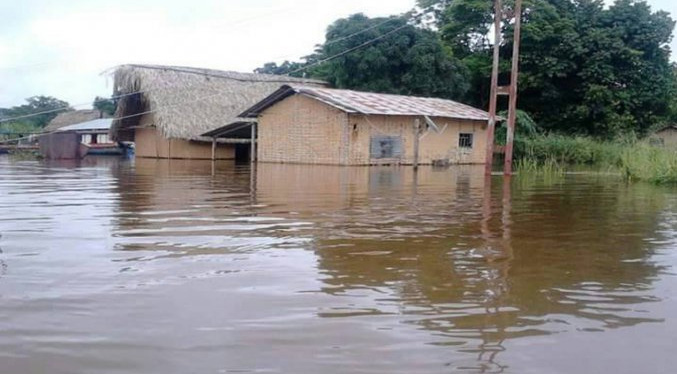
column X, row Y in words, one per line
column 301, row 130
column 432, row 145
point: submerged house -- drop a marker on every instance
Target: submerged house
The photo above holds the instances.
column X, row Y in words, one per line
column 73, row 117
column 166, row 110
column 316, row 125
column 79, row 140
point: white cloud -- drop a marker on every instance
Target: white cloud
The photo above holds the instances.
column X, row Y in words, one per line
column 61, row 50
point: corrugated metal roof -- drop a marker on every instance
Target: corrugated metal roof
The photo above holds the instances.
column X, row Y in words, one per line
column 241, row 128
column 375, row 103
column 73, row 117
column 97, row 124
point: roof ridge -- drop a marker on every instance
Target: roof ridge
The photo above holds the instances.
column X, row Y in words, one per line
column 216, row 73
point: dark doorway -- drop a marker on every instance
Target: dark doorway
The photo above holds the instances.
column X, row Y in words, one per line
column 242, row 152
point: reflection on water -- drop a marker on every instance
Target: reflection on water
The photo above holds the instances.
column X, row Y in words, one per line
column 185, row 266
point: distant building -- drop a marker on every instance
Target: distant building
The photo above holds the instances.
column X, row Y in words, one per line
column 72, row 117
column 79, row 140
column 315, row 125
column 166, row 110
column 666, row 137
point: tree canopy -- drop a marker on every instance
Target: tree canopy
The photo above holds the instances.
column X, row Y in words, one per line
column 404, row 59
column 35, row 107
column 31, row 116
column 105, row 105
column 285, row 68
column 584, row 68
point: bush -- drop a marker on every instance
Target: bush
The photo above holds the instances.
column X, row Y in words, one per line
column 637, row 161
column 652, row 164
column 569, row 150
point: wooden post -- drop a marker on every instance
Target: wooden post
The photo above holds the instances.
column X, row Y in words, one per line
column 213, row 148
column 252, row 157
column 512, row 105
column 493, row 96
column 417, row 126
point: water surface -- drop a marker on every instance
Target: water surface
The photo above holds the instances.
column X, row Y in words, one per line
column 111, row 266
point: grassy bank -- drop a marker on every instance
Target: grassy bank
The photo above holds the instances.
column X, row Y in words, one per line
column 635, row 160
column 567, row 150
column 652, row 164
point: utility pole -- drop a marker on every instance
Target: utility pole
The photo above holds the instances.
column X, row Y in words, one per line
column 510, row 90
column 493, row 94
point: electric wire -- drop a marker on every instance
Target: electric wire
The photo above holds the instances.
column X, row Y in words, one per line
column 369, row 42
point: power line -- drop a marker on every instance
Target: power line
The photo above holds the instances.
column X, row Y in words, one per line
column 390, row 19
column 363, row 44
column 405, row 15
column 348, row 51
column 288, row 74
column 123, row 117
column 63, row 108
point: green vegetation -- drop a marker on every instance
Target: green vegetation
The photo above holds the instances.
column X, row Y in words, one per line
column 652, row 164
column 25, row 155
column 634, row 160
column 105, row 105
column 595, row 79
column 570, row 150
column 30, row 117
column 585, row 70
column 548, row 166
column 409, row 60
column 33, row 106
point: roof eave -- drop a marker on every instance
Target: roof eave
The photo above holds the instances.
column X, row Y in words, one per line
column 281, row 93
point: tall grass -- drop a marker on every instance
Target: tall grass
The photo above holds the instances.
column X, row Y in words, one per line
column 635, row 160
column 549, row 166
column 569, row 150
column 652, row 164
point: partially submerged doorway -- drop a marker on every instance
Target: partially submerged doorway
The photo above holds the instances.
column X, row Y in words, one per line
column 241, row 133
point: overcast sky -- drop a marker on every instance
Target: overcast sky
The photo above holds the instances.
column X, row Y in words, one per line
column 61, row 48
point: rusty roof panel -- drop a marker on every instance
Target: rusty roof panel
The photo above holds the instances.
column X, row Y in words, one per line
column 388, row 104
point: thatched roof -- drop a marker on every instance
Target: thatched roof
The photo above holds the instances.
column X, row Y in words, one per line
column 73, row 117
column 188, row 102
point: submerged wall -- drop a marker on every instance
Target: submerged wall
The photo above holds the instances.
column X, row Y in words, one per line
column 150, row 142
column 433, row 145
column 60, row 146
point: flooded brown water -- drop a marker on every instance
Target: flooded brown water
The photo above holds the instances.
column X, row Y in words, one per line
column 172, row 267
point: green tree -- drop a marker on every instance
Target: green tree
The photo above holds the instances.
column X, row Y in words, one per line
column 583, row 68
column 105, row 105
column 285, row 68
column 384, row 55
column 37, row 111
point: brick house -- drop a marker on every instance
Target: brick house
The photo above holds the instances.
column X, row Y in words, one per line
column 316, row 125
